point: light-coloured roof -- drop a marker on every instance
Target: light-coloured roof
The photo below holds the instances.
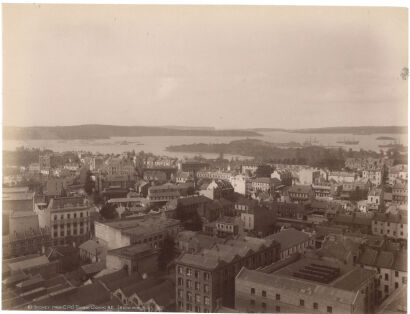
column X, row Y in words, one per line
column 297, row 285
column 226, row 252
column 29, row 263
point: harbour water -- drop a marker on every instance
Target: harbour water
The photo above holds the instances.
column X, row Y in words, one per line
column 157, row 144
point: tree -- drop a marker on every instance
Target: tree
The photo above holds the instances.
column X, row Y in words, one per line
column 167, row 252
column 264, row 171
column 108, row 211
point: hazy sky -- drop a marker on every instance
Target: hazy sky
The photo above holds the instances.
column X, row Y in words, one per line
column 228, row 67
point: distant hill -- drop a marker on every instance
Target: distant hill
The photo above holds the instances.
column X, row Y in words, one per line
column 356, row 130
column 96, row 131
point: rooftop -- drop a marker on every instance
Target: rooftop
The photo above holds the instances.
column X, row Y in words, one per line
column 142, row 225
column 131, row 250
column 68, row 202
column 224, row 252
column 28, row 263
column 289, row 238
column 339, row 293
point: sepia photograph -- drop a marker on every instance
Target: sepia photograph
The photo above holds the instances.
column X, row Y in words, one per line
column 204, row 158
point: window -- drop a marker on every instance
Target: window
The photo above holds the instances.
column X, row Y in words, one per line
column 396, row 285
column 188, row 271
column 396, row 273
column 197, row 286
column 263, row 305
column 264, row 293
column 253, row 291
column 188, row 283
column 196, row 274
column 386, row 288
column 206, row 288
column 188, row 307
column 197, row 309
column 315, row 306
column 386, row 276
column 207, row 301
column 180, row 281
column 329, row 309
column 302, row 302
column 252, row 302
column 55, row 217
column 189, row 296
column 180, row 305
column 277, row 309
column 180, row 294
column 81, row 215
column 179, row 270
column 404, row 280
column 206, row 276
column 277, row 296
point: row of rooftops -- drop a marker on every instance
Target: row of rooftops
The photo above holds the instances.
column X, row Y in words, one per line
column 224, row 253
column 384, row 259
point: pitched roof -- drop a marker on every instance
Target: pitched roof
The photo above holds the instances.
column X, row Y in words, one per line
column 289, row 238
column 91, row 246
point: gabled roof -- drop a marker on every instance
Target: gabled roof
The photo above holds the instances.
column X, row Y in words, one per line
column 289, row 238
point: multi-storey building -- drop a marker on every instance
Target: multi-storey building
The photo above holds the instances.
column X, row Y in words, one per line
column 218, row 189
column 240, row 183
column 163, row 193
column 397, row 172
column 308, row 285
column 390, row 268
column 14, row 200
column 265, row 184
column 342, row 176
column 300, row 193
column 375, row 199
column 206, row 280
column 322, row 191
column 68, row 219
column 124, row 232
column 119, row 166
column 26, row 237
column 375, row 175
column 249, row 167
column 260, row 220
column 390, row 225
column 365, row 163
column 292, row 241
column 284, row 175
column 218, row 175
column 399, row 193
